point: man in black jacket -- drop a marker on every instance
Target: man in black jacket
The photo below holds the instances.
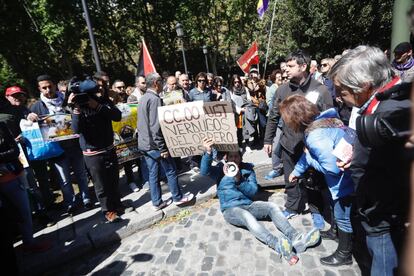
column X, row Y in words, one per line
column 380, row 172
column 301, row 83
column 93, row 121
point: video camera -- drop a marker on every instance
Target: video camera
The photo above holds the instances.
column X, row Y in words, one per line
column 83, row 89
column 380, row 128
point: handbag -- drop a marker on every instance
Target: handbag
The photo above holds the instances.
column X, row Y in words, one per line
column 37, row 147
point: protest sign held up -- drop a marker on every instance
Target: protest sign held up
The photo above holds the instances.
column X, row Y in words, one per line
column 185, row 125
column 126, row 142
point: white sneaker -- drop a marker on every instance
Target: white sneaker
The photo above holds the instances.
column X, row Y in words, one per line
column 248, row 149
column 133, row 187
column 196, row 169
column 187, row 197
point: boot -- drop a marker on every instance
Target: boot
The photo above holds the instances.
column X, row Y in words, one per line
column 331, row 234
column 343, row 254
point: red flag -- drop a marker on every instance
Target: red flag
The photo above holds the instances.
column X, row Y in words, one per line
column 145, row 64
column 249, row 58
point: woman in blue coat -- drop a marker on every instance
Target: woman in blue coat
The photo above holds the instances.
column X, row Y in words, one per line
column 323, row 131
column 236, row 194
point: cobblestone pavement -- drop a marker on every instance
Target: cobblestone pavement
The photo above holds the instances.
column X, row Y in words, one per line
column 199, row 242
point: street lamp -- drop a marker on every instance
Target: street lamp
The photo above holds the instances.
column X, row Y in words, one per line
column 205, row 51
column 180, row 35
column 91, row 36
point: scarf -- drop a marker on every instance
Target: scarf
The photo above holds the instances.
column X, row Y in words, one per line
column 405, row 66
column 239, row 91
column 54, row 105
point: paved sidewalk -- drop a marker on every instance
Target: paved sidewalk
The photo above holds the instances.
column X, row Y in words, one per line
column 74, row 236
column 200, row 242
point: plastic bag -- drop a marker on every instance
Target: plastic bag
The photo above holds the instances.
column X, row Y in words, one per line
column 37, row 147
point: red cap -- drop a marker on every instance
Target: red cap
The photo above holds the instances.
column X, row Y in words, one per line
column 13, row 90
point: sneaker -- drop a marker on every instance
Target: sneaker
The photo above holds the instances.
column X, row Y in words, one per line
column 273, row 174
column 146, row 186
column 133, row 187
column 305, row 240
column 163, row 204
column 37, row 247
column 248, row 149
column 112, row 217
column 196, row 169
column 284, row 248
column 289, row 214
column 318, row 221
column 187, row 197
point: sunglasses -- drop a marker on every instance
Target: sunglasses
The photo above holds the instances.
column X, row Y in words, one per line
column 120, row 87
column 324, row 64
column 201, row 80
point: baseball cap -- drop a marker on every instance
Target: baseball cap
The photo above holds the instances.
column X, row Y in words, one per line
column 254, row 70
column 402, row 48
column 88, row 86
column 14, row 90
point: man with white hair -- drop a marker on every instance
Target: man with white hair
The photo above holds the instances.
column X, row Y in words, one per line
column 380, row 173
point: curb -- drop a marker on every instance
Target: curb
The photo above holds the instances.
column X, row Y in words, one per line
column 79, row 235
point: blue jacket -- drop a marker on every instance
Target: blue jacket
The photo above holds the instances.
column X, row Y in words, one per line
column 230, row 192
column 195, row 95
column 320, row 143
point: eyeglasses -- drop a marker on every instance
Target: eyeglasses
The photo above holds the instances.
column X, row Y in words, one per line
column 120, row 87
column 236, row 81
column 324, row 64
column 284, row 78
column 201, row 80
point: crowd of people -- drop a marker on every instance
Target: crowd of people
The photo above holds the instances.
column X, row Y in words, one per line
column 298, row 115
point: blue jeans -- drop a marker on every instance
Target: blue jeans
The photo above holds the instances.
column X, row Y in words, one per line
column 276, row 151
column 247, row 216
column 384, row 255
column 62, row 165
column 342, row 213
column 15, row 191
column 144, row 170
column 170, row 171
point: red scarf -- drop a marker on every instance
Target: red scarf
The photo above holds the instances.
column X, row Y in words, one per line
column 374, row 103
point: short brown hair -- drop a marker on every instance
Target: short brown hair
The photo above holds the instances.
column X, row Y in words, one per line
column 298, row 112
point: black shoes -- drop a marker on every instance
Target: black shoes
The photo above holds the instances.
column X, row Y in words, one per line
column 343, row 254
column 331, row 234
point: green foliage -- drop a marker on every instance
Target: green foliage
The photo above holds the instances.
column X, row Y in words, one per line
column 50, row 36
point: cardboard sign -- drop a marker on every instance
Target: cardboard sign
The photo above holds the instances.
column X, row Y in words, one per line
column 185, row 125
column 125, row 138
column 57, row 127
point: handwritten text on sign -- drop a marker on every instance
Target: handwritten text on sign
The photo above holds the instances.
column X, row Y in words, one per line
column 185, row 125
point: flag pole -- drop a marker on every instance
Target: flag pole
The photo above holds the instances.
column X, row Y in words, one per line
column 270, row 36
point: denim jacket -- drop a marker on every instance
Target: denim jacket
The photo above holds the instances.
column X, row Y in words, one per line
column 230, row 192
column 320, row 143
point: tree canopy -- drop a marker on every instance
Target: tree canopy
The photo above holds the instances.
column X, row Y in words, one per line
column 50, row 36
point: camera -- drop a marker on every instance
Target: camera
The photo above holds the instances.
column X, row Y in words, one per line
column 381, row 128
column 83, row 90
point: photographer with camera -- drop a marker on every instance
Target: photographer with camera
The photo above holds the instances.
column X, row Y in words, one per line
column 92, row 117
column 323, row 131
column 380, row 172
column 237, row 185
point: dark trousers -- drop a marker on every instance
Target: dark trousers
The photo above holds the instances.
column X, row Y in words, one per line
column 42, row 176
column 104, row 171
column 296, row 195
